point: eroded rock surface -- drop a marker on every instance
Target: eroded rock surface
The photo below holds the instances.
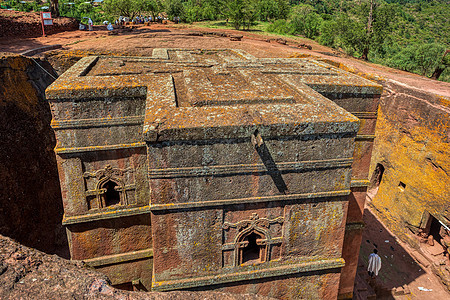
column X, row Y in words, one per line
column 26, row 273
column 30, row 196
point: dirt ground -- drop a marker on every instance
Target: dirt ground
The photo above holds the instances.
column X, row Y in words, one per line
column 399, row 268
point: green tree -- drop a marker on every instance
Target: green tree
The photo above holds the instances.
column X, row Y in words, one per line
column 54, row 8
column 280, row 26
column 199, row 10
column 328, row 33
column 174, row 8
column 362, row 29
column 126, row 8
column 154, row 7
column 267, row 10
column 306, row 21
column 272, row 9
column 243, row 13
column 429, row 60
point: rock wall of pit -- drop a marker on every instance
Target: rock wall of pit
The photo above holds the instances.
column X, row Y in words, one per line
column 413, row 145
column 30, row 197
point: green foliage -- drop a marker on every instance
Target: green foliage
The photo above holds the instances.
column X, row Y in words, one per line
column 17, row 5
column 327, row 33
column 243, row 13
column 126, row 8
column 152, row 7
column 306, row 21
column 422, row 59
column 272, row 9
column 281, row 27
column 79, row 10
column 174, row 8
column 267, row 10
column 200, row 10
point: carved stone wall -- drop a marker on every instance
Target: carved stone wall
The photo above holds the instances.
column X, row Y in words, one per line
column 241, row 165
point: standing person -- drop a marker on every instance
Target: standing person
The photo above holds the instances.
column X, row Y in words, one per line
column 90, row 24
column 374, row 264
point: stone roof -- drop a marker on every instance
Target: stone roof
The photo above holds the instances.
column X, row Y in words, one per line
column 189, row 92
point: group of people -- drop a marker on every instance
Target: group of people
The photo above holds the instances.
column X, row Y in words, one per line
column 90, row 25
column 140, row 20
column 125, row 20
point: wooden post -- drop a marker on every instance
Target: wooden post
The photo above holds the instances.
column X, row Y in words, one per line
column 42, row 22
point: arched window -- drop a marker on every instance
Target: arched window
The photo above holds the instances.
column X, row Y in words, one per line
column 111, row 195
column 252, row 248
column 252, row 252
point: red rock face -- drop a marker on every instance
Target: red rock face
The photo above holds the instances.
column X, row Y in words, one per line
column 214, row 169
column 30, row 201
column 28, row 24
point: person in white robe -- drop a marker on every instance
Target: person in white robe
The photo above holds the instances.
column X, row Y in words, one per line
column 374, row 264
column 90, row 24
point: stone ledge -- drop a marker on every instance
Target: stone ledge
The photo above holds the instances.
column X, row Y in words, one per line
column 289, row 269
column 104, row 215
column 102, row 122
column 118, row 258
column 98, row 148
column 40, row 49
column 359, row 183
column 365, row 114
column 365, row 137
column 354, row 226
column 248, row 168
column 212, row 203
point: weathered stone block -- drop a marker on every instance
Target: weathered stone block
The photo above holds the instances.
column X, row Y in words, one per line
column 241, row 165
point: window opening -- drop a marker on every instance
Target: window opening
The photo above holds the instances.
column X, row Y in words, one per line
column 375, row 181
column 251, row 254
column 378, row 174
column 111, row 195
column 435, row 229
column 402, row 185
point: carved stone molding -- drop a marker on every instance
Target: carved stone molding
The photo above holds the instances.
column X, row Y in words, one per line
column 109, row 179
column 254, row 221
column 253, row 232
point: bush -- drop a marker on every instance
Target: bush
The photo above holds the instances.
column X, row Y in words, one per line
column 306, row 21
column 281, row 27
column 421, row 59
column 328, row 33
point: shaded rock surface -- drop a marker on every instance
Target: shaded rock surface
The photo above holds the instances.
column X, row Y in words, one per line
column 26, row 273
column 30, row 196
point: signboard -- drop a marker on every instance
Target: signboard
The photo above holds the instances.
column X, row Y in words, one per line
column 46, row 19
column 46, row 15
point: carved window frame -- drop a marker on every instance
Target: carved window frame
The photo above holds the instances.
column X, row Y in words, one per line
column 105, row 175
column 257, row 225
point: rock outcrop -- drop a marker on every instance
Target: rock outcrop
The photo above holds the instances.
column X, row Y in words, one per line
column 30, row 196
column 26, row 273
